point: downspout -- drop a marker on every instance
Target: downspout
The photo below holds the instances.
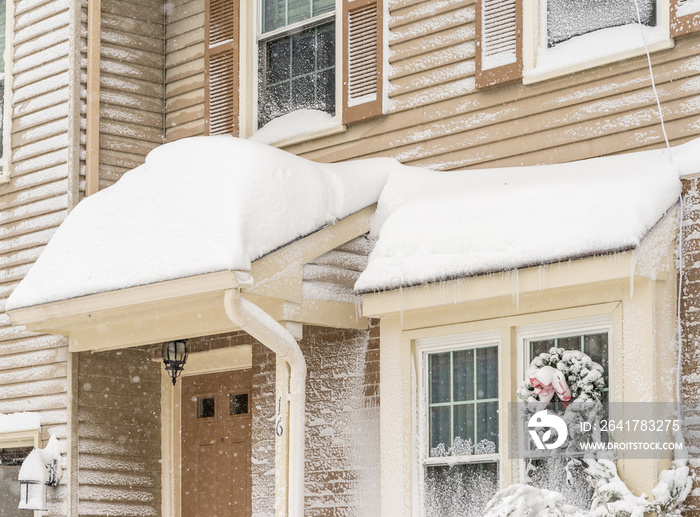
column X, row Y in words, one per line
column 256, row 322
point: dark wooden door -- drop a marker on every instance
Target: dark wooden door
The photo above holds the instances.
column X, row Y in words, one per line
column 216, row 445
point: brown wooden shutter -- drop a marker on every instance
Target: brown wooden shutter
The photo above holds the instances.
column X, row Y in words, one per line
column 681, row 23
column 499, row 47
column 221, row 66
column 362, row 59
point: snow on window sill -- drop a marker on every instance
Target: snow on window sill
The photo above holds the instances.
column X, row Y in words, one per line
column 297, row 127
column 595, row 49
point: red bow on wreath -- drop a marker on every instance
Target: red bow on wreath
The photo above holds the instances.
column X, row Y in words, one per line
column 547, row 381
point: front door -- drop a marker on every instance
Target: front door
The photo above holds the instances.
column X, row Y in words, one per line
column 216, row 445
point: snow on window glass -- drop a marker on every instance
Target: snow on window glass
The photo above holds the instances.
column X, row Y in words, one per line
column 569, row 18
column 297, row 72
column 459, row 490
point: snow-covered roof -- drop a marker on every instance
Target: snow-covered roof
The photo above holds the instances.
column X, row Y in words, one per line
column 433, row 226
column 209, row 204
column 198, row 205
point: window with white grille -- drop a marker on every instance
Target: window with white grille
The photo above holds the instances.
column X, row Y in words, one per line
column 296, row 57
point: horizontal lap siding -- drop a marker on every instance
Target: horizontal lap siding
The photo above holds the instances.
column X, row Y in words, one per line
column 119, row 433
column 34, row 368
column 131, row 84
column 184, row 69
column 437, row 119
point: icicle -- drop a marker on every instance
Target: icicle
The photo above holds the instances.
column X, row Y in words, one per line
column 633, row 265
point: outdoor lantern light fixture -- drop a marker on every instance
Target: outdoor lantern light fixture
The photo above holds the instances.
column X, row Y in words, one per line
column 41, row 469
column 174, row 356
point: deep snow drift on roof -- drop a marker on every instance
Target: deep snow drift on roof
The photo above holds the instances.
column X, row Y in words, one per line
column 434, row 226
column 198, row 205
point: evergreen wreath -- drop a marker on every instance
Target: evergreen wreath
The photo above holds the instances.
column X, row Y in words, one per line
column 583, row 375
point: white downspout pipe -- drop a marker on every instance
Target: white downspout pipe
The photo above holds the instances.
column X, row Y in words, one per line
column 263, row 327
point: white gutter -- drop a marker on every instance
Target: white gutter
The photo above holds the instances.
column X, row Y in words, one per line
column 256, row 322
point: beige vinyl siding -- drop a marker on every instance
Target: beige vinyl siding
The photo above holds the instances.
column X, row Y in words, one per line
column 119, row 433
column 34, row 368
column 184, row 69
column 132, row 65
column 436, row 117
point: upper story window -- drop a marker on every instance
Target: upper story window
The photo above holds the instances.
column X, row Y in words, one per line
column 296, row 57
column 535, row 40
column 290, row 59
column 567, row 19
column 461, row 430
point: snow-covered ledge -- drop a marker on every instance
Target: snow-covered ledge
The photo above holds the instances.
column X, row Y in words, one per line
column 20, row 430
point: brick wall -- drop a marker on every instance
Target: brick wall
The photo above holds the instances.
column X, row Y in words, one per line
column 690, row 321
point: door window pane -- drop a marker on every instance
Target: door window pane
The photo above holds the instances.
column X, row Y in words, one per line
column 239, row 404
column 206, row 408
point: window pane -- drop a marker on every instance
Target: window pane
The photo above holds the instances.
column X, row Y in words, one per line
column 463, row 375
column 464, row 423
column 326, row 47
column 323, row 6
column 439, row 377
column 569, row 343
column 274, row 15
column 298, row 10
column 596, row 346
column 278, row 61
column 304, row 53
column 569, row 18
column 9, row 491
column 487, row 424
column 325, row 87
column 462, row 490
column 206, row 408
column 440, row 423
column 487, row 373
column 293, row 61
column 239, row 404
column 540, row 347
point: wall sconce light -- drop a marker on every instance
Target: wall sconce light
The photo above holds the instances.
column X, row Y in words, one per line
column 174, row 356
column 41, row 469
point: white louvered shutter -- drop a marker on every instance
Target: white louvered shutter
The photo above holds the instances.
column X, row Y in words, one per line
column 498, row 42
column 221, row 66
column 362, row 59
column 685, row 17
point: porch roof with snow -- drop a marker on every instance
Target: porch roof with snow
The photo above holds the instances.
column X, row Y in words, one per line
column 202, row 213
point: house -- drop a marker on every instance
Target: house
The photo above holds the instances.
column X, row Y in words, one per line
column 91, row 88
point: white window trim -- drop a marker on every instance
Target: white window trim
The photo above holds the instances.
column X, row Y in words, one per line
column 445, row 344
column 534, row 42
column 251, row 30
